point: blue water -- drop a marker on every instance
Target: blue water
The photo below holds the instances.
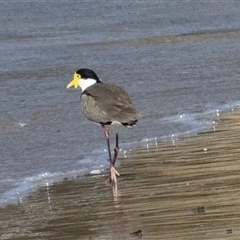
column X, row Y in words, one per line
column 178, row 61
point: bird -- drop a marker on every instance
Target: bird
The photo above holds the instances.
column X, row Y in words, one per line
column 107, row 105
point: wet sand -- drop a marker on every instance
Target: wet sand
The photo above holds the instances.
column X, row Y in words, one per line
column 186, row 189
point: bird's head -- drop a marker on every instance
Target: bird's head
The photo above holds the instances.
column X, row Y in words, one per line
column 84, row 78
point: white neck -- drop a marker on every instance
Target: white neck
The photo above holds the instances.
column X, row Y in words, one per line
column 85, row 83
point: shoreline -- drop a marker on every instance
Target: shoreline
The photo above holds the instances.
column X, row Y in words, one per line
column 183, row 190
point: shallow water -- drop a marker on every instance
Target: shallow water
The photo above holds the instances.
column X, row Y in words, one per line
column 179, row 63
column 175, row 190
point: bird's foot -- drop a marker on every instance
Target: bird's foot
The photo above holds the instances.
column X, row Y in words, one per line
column 113, row 175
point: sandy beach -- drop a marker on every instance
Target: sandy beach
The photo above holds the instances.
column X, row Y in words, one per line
column 186, row 189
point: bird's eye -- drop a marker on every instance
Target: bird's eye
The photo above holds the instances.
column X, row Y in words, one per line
column 78, row 76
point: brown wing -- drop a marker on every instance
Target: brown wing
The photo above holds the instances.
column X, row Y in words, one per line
column 106, row 103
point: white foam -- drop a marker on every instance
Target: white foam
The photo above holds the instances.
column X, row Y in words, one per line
column 98, row 171
column 192, row 123
column 30, row 184
column 95, row 162
column 22, row 124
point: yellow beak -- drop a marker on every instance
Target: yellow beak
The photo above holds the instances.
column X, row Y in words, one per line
column 74, row 82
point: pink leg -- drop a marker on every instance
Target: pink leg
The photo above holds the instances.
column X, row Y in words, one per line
column 116, row 149
column 113, row 171
column 106, row 133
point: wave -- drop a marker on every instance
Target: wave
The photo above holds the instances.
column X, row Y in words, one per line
column 183, row 125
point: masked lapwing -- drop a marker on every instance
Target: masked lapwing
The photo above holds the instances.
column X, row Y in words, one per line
column 105, row 104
